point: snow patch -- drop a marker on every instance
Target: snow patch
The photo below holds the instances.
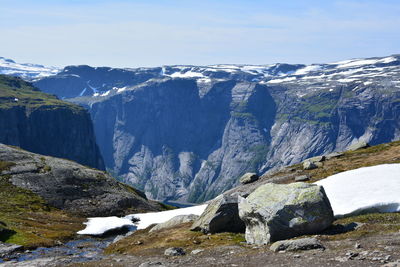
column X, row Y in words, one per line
column 287, row 79
column 307, row 69
column 370, row 188
column 188, row 74
column 100, row 225
column 361, row 62
column 149, row 218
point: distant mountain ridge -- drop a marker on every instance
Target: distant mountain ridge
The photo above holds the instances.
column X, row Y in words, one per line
column 188, row 132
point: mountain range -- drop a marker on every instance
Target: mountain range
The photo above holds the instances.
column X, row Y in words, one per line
column 186, row 133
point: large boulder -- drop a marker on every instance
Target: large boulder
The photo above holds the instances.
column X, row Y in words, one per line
column 221, row 215
column 174, row 222
column 309, row 165
column 248, row 178
column 358, row 145
column 277, row 211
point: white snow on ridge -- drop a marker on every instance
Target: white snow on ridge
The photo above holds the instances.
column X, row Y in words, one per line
column 287, row 79
column 307, row 69
column 25, row 70
column 100, row 225
column 188, row 74
column 374, row 188
column 361, row 62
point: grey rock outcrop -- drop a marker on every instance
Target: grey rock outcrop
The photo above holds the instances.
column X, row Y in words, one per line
column 7, row 249
column 174, row 252
column 70, row 186
column 358, row 145
column 248, row 178
column 221, row 215
column 309, row 165
column 334, row 155
column 297, row 244
column 316, row 159
column 275, row 212
column 177, row 220
column 301, row 178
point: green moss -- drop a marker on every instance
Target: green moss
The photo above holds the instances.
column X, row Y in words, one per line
column 30, row 220
column 5, row 165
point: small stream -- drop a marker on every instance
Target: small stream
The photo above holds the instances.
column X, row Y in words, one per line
column 75, row 251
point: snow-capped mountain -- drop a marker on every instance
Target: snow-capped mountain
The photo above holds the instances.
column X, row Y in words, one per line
column 26, row 71
column 188, row 132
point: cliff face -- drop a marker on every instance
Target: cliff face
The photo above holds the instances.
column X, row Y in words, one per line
column 189, row 133
column 41, row 123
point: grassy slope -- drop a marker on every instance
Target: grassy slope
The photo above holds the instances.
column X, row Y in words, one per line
column 29, row 96
column 29, row 220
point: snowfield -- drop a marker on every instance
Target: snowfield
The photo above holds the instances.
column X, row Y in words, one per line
column 100, row 225
column 375, row 188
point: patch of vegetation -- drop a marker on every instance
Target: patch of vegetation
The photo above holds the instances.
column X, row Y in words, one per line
column 315, row 109
column 371, row 156
column 370, row 225
column 5, row 165
column 180, row 236
column 14, row 92
column 30, row 221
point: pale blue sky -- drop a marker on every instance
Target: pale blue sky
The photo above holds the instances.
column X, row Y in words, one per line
column 163, row 32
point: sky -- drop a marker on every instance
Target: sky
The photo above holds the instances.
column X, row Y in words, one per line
column 145, row 33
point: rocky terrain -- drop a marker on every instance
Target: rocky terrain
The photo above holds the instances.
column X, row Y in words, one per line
column 43, row 124
column 370, row 239
column 187, row 133
column 45, row 199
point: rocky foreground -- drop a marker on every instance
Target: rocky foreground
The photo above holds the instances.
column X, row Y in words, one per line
column 45, row 200
column 283, row 228
column 280, row 225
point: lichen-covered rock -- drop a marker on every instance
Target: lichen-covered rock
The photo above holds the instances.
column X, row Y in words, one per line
column 301, row 178
column 358, row 145
column 275, row 212
column 334, row 155
column 174, row 252
column 248, row 178
column 221, row 215
column 308, row 165
column 174, row 222
column 298, row 244
column 316, row 159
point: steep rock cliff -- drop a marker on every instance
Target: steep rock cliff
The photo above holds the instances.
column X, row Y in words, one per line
column 41, row 123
